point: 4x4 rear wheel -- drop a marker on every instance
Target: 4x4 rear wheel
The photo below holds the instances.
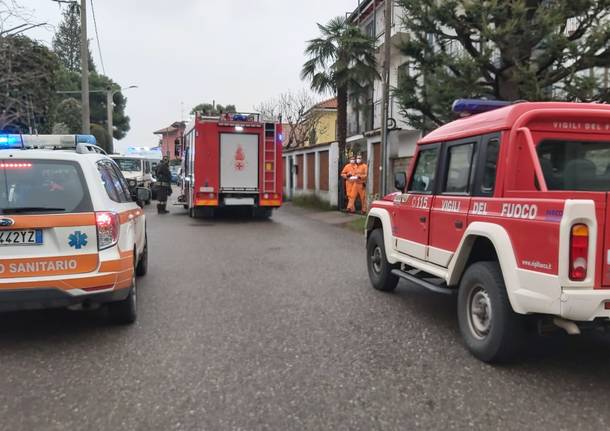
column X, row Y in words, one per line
column 380, row 270
column 492, row 331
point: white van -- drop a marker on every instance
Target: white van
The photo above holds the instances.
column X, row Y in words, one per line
column 136, row 169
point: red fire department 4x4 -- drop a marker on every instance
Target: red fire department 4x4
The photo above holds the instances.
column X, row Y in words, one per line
column 510, row 209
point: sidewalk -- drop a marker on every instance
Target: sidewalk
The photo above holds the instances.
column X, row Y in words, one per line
column 336, row 218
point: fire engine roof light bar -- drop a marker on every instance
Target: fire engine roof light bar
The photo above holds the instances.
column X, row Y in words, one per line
column 477, row 106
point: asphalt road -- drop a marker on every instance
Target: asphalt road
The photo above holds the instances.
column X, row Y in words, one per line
column 272, row 325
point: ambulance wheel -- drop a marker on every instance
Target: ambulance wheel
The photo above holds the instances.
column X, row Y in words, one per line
column 125, row 312
column 380, row 270
column 492, row 331
column 142, row 267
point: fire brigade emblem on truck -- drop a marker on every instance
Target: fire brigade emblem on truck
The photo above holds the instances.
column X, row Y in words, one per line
column 240, row 159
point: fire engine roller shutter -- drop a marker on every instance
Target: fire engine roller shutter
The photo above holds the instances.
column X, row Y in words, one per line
column 238, row 162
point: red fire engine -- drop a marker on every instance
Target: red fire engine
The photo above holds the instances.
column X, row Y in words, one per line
column 234, row 160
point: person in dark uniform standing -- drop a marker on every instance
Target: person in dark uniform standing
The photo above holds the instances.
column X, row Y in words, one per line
column 164, row 185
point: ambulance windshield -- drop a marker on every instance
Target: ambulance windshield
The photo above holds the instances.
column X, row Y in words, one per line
column 575, row 165
column 42, row 186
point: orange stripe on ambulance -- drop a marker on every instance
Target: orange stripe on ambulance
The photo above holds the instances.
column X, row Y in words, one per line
column 42, row 266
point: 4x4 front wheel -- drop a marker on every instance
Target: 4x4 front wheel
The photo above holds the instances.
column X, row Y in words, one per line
column 380, row 270
column 492, row 331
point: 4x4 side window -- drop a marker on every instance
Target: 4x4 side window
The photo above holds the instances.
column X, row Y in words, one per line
column 459, row 168
column 424, row 173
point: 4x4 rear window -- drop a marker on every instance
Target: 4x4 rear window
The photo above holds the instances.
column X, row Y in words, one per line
column 42, row 187
column 459, row 168
column 575, row 165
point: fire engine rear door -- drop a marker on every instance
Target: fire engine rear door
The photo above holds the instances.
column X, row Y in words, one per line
column 239, row 162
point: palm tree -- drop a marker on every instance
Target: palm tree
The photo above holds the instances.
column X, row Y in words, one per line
column 341, row 60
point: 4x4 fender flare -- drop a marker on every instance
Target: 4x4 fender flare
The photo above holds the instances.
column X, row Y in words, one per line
column 382, row 215
column 504, row 250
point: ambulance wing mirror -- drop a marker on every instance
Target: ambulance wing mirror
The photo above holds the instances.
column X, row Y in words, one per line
column 400, row 181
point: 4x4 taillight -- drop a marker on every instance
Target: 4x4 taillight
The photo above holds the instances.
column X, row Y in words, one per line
column 579, row 252
column 108, row 227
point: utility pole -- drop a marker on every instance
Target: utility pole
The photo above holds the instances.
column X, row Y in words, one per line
column 84, row 65
column 385, row 77
column 109, row 111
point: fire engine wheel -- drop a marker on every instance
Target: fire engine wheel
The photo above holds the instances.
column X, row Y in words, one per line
column 125, row 312
column 205, row 212
column 262, row 213
column 492, row 331
column 380, row 270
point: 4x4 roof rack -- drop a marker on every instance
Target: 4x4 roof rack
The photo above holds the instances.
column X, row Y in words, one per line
column 81, row 144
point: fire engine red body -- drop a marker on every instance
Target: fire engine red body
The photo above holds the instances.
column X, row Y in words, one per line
column 234, row 160
column 519, row 195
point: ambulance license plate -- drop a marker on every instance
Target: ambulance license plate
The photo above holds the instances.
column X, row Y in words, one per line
column 21, row 237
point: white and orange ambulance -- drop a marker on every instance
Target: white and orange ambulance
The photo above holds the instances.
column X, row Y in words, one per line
column 71, row 232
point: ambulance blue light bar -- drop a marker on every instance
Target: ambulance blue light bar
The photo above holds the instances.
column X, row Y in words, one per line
column 477, row 106
column 11, row 142
column 56, row 142
column 86, row 139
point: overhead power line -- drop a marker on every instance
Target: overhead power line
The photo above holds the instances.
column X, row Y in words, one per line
column 97, row 38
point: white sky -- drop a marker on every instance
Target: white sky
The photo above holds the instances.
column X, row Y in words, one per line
column 191, row 51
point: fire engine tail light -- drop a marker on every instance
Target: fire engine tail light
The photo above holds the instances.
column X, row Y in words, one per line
column 108, row 228
column 204, row 196
column 579, row 251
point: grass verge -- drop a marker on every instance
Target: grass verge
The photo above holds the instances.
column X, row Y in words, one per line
column 357, row 224
column 312, row 202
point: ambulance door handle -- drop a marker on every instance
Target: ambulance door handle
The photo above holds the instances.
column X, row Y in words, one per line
column 458, row 224
column 423, row 219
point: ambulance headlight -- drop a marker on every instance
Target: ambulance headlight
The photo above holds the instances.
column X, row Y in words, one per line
column 132, row 183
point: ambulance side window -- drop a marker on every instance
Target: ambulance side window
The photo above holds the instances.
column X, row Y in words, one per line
column 424, row 173
column 126, row 195
column 106, row 177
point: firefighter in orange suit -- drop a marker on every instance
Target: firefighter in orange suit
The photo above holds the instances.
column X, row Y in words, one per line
column 359, row 185
column 348, row 171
